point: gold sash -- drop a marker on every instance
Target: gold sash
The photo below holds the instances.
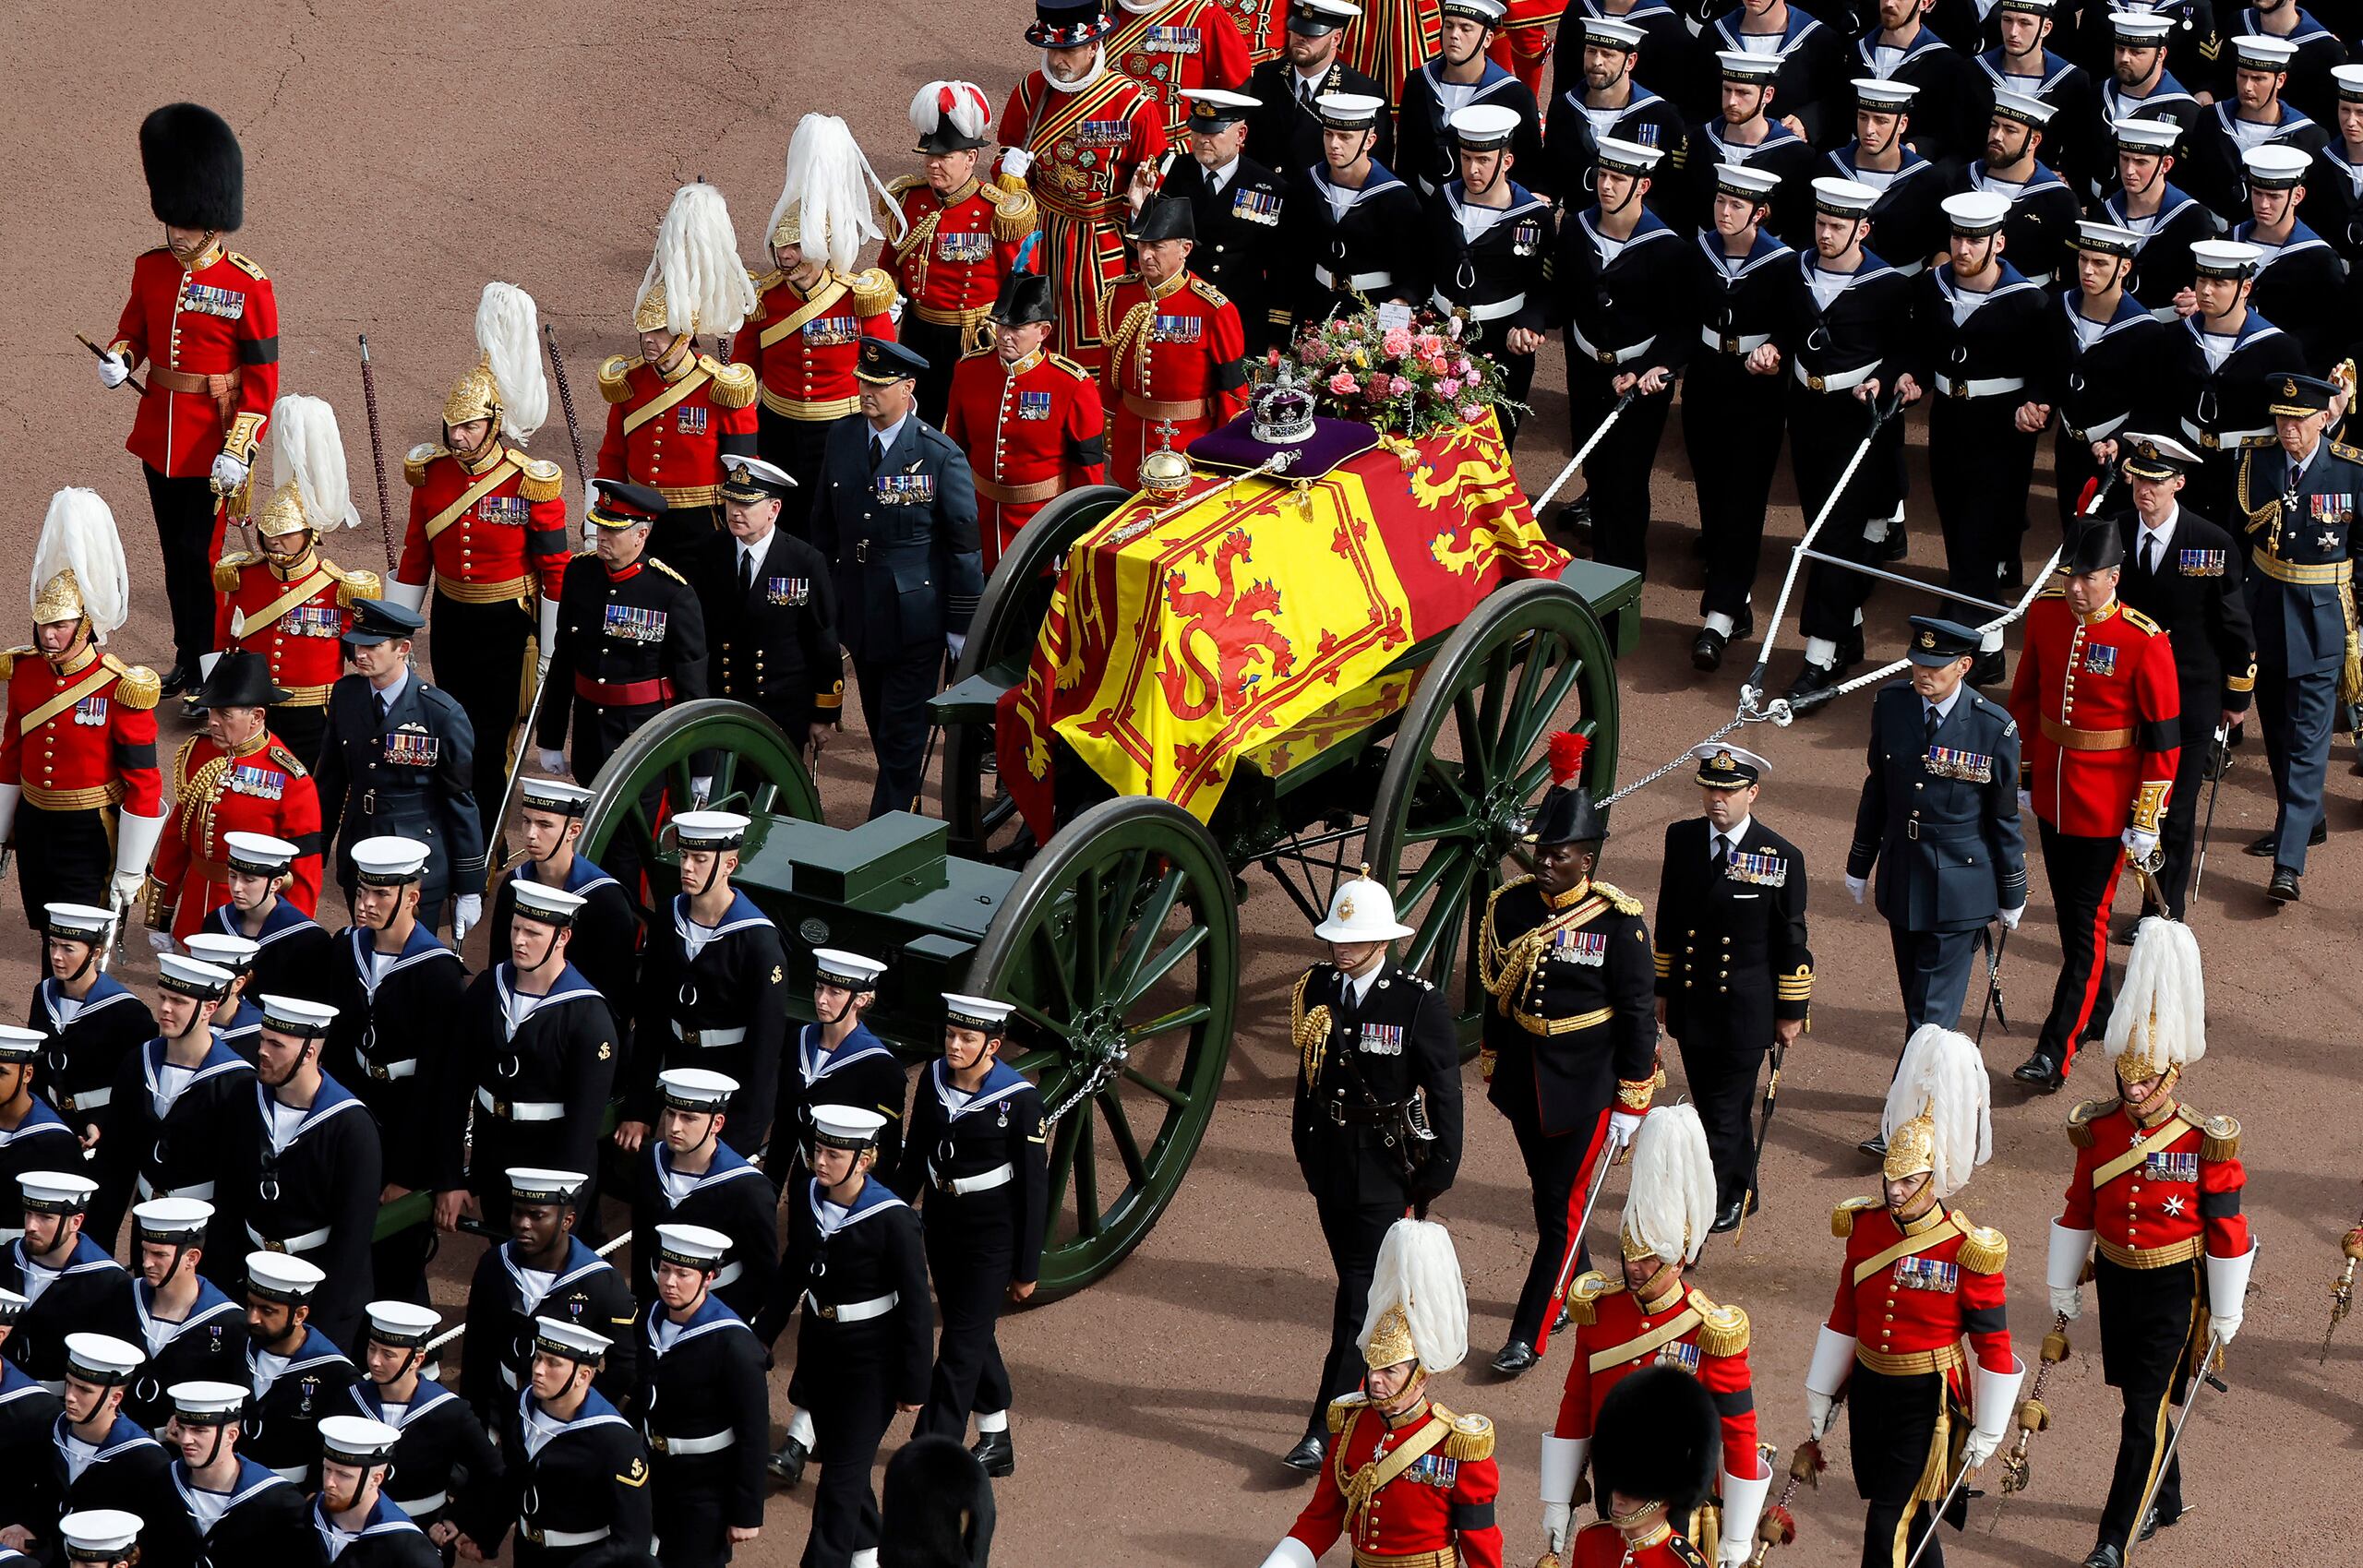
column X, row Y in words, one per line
column 1942, row 1231
column 1665, row 1333
column 300, row 593
column 99, row 675
column 671, row 395
column 1370, row 1480
column 494, row 478
column 2165, row 1137
column 794, row 321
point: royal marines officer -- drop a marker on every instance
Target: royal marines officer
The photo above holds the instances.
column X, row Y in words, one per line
column 574, row 1473
column 88, row 1020
column 289, row 945
column 2157, row 1188
column 543, row 1271
column 2168, row 222
column 442, row 1444
column 1650, row 1316
column 1032, row 422
column 1603, row 99
column 1494, row 241
column 607, row 928
column 958, row 244
column 536, row 1053
column 487, row 534
column 81, row 797
column 2142, row 83
column 1570, row 1041
column 172, row 1097
column 295, row 1373
column 688, row 1176
column 2250, row 117
column 2300, row 281
column 2039, row 222
column 231, row 1509
column 32, row 1135
column 69, row 1281
column 1408, row 1480
column 675, row 417
column 1745, row 132
column 1939, row 819
column 770, row 610
column 712, row 988
column 1378, row 1121
column 1656, row 1466
column 1461, row 76
column 1918, row 1279
column 98, row 1457
column 1175, row 366
column 1756, row 999
column 2187, row 575
column 837, row 1060
column 400, row 760
column 702, row 1404
column 354, row 1523
column 1235, row 204
column 2297, row 506
column 898, row 524
column 206, row 321
column 2105, row 347
column 191, row 1329
column 1342, row 232
column 854, row 1266
column 977, row 1162
column 1286, row 124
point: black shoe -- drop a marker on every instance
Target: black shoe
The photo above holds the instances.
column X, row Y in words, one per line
column 1561, row 1320
column 177, row 679
column 1812, row 687
column 1728, row 1218
column 1515, row 1357
column 1897, row 543
column 2041, row 1071
column 1875, row 1145
column 1306, row 1455
column 786, row 1467
column 1707, row 649
column 1576, row 515
column 2265, row 845
column 2121, row 934
column 2283, row 888
column 1989, row 668
column 2151, row 1523
column 2105, row 1556
column 997, row 1453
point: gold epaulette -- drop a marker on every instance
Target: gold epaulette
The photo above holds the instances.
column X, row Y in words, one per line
column 2135, row 617
column 1343, row 1410
column 2056, row 591
column 414, row 462
column 1014, row 216
column 1982, row 1249
column 353, row 586
column 873, row 291
column 733, row 386
column 668, row 570
column 1070, row 367
column 766, row 282
column 1471, row 1437
column 8, row 657
column 539, row 478
column 1723, row 1331
column 901, row 183
column 2341, row 450
column 1842, row 1218
column 136, row 686
column 287, row 759
column 1589, row 1287
column 2081, row 1119
column 1207, row 292
column 615, row 377
column 226, row 570
column 1618, row 899
column 245, row 264
column 2219, row 1135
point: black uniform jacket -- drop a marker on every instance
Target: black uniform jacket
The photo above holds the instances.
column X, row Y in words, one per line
column 2039, row 230
column 2301, row 288
column 703, row 1379
column 1941, row 128
column 1572, row 1020
column 726, row 1008
column 2100, row 382
column 1866, row 326
column 2211, row 167
column 1786, row 156
column 2162, row 265
column 1939, row 817
column 1362, row 249
column 901, row 537
column 2196, row 596
column 775, row 646
column 28, row 1413
column 386, row 1539
column 1812, row 61
column 179, row 1149
column 130, row 1471
column 576, row 1476
column 1427, row 153
column 40, row 1141
column 79, row 1058
column 1908, row 219
column 292, row 942
column 628, row 632
column 263, row 1523
column 1730, row 939
column 208, row 1345
column 443, row 1449
column 317, row 1195
column 497, row 1352
column 1571, row 144
column 606, row 943
column 562, row 1054
column 732, row 1197
column 2222, row 406
column 392, row 1038
column 91, row 1294
column 863, row 1070
column 956, row 1138
column 869, row 1252
column 411, row 772
column 281, row 1430
column 2000, row 339
column 1612, row 307
column 1284, row 131
column 1738, row 302
column 1502, row 277
column 1239, row 230
column 1357, row 1062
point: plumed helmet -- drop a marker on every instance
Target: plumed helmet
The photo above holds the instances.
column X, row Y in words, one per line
column 79, row 569
column 950, row 116
column 2159, row 1022
column 695, row 281
column 1936, row 1117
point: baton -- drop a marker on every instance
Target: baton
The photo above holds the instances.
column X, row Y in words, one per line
column 1585, row 450
column 131, row 381
column 2203, row 1379
column 1879, row 416
column 2214, row 785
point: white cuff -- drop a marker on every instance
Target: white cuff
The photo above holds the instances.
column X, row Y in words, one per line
column 1742, row 1505
column 548, row 629
column 409, row 595
column 2227, row 1283
column 1996, row 1398
column 1833, row 1358
column 134, row 841
column 1562, row 1461
column 1290, row 1553
column 2069, row 1250
column 205, row 662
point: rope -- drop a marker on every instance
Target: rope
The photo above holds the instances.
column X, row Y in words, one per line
column 1577, row 462
column 449, row 1334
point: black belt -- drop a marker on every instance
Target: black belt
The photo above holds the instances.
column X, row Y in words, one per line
column 1370, row 1113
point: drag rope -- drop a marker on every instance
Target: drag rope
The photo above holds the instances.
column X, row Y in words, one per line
column 449, row 1334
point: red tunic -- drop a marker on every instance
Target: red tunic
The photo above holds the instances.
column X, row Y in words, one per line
column 1392, row 39
column 954, row 251
column 1615, row 1336
column 298, row 622
column 2179, row 1197
column 1085, row 145
column 671, row 432
column 2099, row 715
column 1177, row 44
column 261, row 789
column 218, row 320
column 1602, row 1545
column 1032, row 431
column 1442, row 1501
column 92, row 738
column 1176, row 354
column 1936, row 1286
column 487, row 533
column 804, row 347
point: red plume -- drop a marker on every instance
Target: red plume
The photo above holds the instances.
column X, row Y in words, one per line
column 1567, row 751
column 946, row 100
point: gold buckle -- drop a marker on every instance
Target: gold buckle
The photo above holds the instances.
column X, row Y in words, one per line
column 657, row 1442
column 279, row 1247
column 1815, row 383
column 1958, row 390
column 826, row 1311
column 1607, row 356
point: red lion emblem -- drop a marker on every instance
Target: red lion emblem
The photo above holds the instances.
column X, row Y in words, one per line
column 1228, row 618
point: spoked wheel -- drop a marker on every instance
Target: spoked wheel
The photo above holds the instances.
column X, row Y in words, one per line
column 1120, row 946
column 985, row 825
column 1470, row 763
column 756, row 772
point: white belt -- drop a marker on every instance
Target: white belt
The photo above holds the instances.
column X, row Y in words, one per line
column 294, row 1473
column 1746, row 342
column 417, row 1506
column 386, row 1071
column 1610, row 357
column 704, row 1039
column 520, row 1110
column 2100, row 432
column 2220, row 440
column 1844, row 381
column 89, row 1099
column 566, row 1538
column 303, row 1243
column 149, row 1189
column 690, row 1447
column 1000, row 1176
column 1329, row 280
column 1978, row 387
column 1492, row 312
column 2040, row 280
column 508, row 1376
column 855, row 1312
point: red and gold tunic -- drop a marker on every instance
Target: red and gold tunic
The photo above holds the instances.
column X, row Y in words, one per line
column 295, row 614
column 2156, row 1195
column 83, row 738
column 257, row 788
column 1602, row 1545
column 1033, row 431
column 1908, row 1295
column 956, row 249
column 1392, row 39
column 1617, row 1333
column 803, row 347
column 487, row 532
column 1085, row 145
column 1167, row 45
column 1176, row 356
column 671, row 430
column 2099, row 715
column 209, row 334
column 1436, row 1483
column 1264, row 24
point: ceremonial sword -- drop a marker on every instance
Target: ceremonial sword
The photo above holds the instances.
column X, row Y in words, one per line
column 2204, row 1376
column 1993, row 979
column 2199, row 873
column 1763, row 1136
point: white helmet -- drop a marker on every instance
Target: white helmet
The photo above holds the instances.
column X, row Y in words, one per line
column 1362, row 911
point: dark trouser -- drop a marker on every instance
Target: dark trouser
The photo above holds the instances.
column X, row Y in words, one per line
column 972, row 1257
column 1825, row 428
column 894, row 705
column 1517, row 383
column 1980, row 465
column 63, row 858
column 480, row 659
column 941, row 347
column 844, row 1379
column 398, row 1265
column 688, row 1505
column 1353, row 1230
column 1616, row 475
column 1558, row 1168
column 1932, row 971
column 1721, row 1075
column 678, row 532
column 598, row 733
column 2071, row 469
column 2209, row 489
column 1894, row 1424
column 1733, row 434
column 301, row 731
column 2082, row 873
column 2179, row 832
column 795, row 445
column 2148, row 1319
column 2296, row 711
column 185, row 510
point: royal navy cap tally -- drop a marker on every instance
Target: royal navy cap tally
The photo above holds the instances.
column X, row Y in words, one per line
column 389, row 861
column 1625, row 157
column 532, row 1184
column 166, row 1221
column 2008, row 105
column 1976, row 212
column 1314, row 18
column 191, row 977
column 547, row 905
column 259, row 855
column 1480, row 128
column 102, row 1359
column 2348, row 79
column 275, row 1277
column 1489, row 12
column 1883, row 96
column 236, row 954
column 846, row 1127
column 560, row 798
column 2224, row 259
column 975, row 1012
column 356, row 1439
column 2106, row 238
column 296, row 1016
column 404, row 1325
column 2276, row 166
column 2142, row 29
column 1348, row 111
column 204, row 1403
column 1740, row 179
column 696, row 1088
column 710, row 830
column 56, row 1191
column 1747, row 65
column 691, row 1246
column 20, row 1045
column 1842, row 198
column 554, row 1338
column 851, row 971
column 99, row 1535
column 81, row 922
column 2146, row 136
column 2263, row 52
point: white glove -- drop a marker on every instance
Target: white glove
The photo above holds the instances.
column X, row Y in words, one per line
column 112, row 372
column 9, row 796
column 1016, row 161
column 125, row 887
column 1290, row 1553
column 2139, row 843
column 2010, row 917
column 228, row 472
column 1621, row 1125
column 2225, row 1326
column 2026, row 801
column 1856, row 887
column 1978, row 1447
column 2068, row 1302
column 1557, row 1517
column 161, row 940
column 552, row 760
column 1820, row 1409
column 547, row 627
column 701, row 790
column 465, row 914
column 957, row 642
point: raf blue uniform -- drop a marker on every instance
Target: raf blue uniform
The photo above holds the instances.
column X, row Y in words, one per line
column 900, row 534
column 1939, row 818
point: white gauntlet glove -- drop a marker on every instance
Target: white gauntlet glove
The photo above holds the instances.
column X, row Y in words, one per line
column 553, row 762
column 228, row 472
column 112, row 372
column 2010, row 917
column 465, row 914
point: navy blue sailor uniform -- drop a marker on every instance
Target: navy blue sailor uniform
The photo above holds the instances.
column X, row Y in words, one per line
column 713, row 997
column 208, row 1345
column 1812, row 56
column 2301, row 288
column 29, row 1414
column 442, row 1447
column 126, row 1470
column 1731, row 420
column 2102, row 373
column 2039, row 228
column 2161, row 262
column 1571, row 136
column 259, row 1519
column 1340, row 247
column 1494, row 267
column 389, row 1537
column 730, row 1196
column 505, row 1297
column 86, row 1042
column 293, row 945
column 312, row 1193
column 40, row 1141
column 91, row 1293
column 1660, row 63
column 705, row 1409
column 1239, row 229
column 606, row 930
column 2334, row 209
column 2216, row 393
column 538, row 1070
column 165, row 1140
column 1424, row 149
column 772, row 630
column 1938, row 819
column 406, row 768
column 280, row 1428
column 2193, row 46
column 1940, row 129
column 901, row 536
column 2167, row 100
column 1783, row 154
column 575, row 1490
column 2211, row 167
column 2309, row 86
column 862, row 1070
column 2074, row 143
column 1908, row 219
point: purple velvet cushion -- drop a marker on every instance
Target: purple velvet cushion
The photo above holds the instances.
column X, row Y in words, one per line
column 1231, row 450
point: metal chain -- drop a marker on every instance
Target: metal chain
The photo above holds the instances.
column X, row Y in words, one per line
column 1095, row 1081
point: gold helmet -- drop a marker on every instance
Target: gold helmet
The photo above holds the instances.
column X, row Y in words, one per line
column 1669, row 1206
column 284, row 513
column 2158, row 1025
column 695, row 281
column 1418, row 1308
column 475, row 396
column 1937, row 1120
column 828, row 202
column 308, row 455
column 506, row 384
column 79, row 569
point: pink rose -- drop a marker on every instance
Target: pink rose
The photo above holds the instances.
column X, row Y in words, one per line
column 1430, row 342
column 1396, row 343
column 1463, row 368
column 1473, row 412
column 1399, row 386
column 1341, row 383
column 1448, row 388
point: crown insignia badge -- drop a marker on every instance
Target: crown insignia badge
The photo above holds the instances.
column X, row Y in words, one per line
column 1927, row 640
column 1345, row 908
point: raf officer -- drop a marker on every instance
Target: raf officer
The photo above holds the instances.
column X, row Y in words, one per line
column 898, row 519
column 770, row 609
column 1734, row 975
column 1942, row 788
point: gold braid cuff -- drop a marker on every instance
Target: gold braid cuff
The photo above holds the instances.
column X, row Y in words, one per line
column 2149, row 804
column 1634, row 1094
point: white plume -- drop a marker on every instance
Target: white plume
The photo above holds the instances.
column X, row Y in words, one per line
column 307, row 450
column 834, row 183
column 2165, row 992
column 1418, row 1271
column 79, row 535
column 1669, row 1208
column 697, row 258
column 1943, row 1076
column 508, row 329
column 961, row 103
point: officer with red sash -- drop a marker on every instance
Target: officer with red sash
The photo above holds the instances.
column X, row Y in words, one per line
column 1031, row 420
column 1176, row 364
